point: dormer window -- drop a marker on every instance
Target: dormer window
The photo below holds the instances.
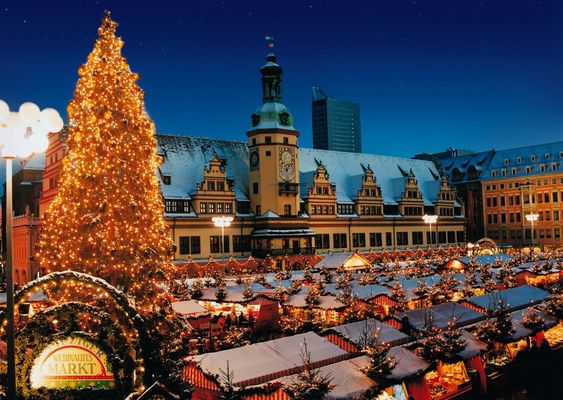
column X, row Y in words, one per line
column 547, row 156
column 506, row 161
column 518, row 160
column 167, row 179
column 494, row 173
column 533, row 158
column 542, row 168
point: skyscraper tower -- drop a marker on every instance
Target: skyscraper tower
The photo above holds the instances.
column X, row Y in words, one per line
column 336, row 123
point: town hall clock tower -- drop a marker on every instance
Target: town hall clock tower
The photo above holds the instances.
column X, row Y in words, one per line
column 273, row 150
column 274, row 171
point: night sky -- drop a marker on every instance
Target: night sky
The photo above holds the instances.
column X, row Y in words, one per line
column 428, row 74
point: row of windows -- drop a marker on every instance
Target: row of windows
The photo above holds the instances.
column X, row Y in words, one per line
column 192, row 244
column 371, row 210
column 322, row 241
column 533, row 158
column 321, row 190
column 545, row 197
column 510, row 185
column 516, row 234
column 412, row 210
column 215, row 208
column 516, row 217
column 215, row 186
column 177, row 206
column 446, row 212
column 529, row 169
column 318, row 210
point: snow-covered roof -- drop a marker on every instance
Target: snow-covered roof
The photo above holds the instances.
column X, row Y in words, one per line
column 515, row 298
column 520, row 330
column 354, row 331
column 185, row 158
column 363, row 292
column 189, row 308
column 326, row 302
column 486, row 259
column 466, row 168
column 473, row 346
column 442, row 313
column 348, row 381
column 347, row 169
column 351, row 383
column 256, row 363
column 345, row 259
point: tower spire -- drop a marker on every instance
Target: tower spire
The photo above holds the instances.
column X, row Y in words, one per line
column 271, row 80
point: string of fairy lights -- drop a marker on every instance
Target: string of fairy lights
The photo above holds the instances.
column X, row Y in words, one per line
column 107, row 217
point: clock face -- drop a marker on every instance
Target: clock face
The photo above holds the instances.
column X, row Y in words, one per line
column 254, row 160
column 287, row 164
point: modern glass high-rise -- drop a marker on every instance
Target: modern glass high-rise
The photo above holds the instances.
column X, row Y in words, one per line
column 336, row 123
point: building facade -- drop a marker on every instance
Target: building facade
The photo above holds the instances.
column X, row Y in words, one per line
column 336, row 123
column 26, row 192
column 507, row 186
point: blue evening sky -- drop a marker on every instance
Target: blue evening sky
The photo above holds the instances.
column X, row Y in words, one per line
column 428, row 74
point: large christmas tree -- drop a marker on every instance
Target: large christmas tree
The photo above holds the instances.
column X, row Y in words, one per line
column 107, row 217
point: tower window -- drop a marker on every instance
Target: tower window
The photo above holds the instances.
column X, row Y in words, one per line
column 285, row 140
column 268, row 139
column 254, row 141
column 254, row 187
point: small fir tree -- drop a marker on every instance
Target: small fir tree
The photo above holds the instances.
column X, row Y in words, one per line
column 439, row 344
column 531, row 319
column 399, row 296
column 196, row 291
column 553, row 306
column 380, row 363
column 310, row 383
column 247, row 293
column 228, row 390
column 313, row 297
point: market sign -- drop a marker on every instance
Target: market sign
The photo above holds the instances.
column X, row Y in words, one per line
column 72, row 362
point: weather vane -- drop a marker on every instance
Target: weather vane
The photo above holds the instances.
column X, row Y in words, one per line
column 270, row 40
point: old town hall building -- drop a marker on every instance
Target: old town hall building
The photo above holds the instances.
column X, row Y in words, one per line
column 285, row 199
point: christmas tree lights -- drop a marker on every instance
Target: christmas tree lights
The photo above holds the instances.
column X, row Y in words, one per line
column 107, row 217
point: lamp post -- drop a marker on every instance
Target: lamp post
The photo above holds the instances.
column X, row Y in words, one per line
column 21, row 134
column 222, row 222
column 533, row 217
column 430, row 219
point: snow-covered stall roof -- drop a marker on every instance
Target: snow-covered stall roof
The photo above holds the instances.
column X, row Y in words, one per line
column 351, row 383
column 260, row 362
column 235, row 294
column 354, row 331
column 365, row 292
column 347, row 169
column 189, row 308
column 473, row 346
column 347, row 259
column 486, row 259
column 441, row 314
column 326, row 302
column 520, row 331
column 515, row 298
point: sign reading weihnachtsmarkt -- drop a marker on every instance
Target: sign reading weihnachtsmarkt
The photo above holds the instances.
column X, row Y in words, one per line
column 72, row 362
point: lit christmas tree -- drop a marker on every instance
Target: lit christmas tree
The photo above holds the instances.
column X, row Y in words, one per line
column 439, row 344
column 380, row 363
column 554, row 305
column 107, row 217
column 399, row 296
column 310, row 384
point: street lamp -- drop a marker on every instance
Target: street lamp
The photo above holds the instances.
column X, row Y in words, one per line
column 533, row 217
column 222, row 222
column 21, row 134
column 430, row 219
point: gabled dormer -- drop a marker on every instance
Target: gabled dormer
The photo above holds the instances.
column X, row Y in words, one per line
column 446, row 198
column 369, row 200
column 215, row 194
column 321, row 196
column 411, row 203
